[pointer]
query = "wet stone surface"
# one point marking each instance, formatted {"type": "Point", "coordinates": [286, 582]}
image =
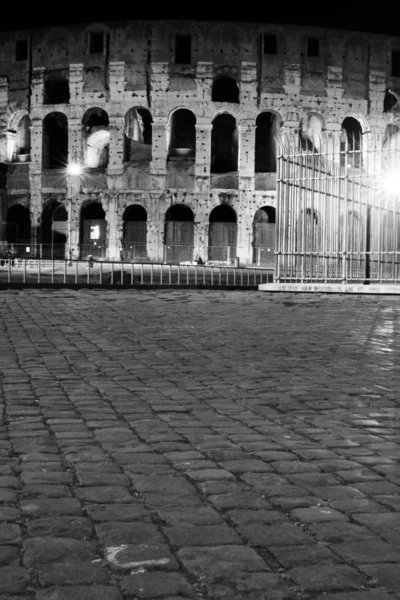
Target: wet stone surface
{"type": "Point", "coordinates": [202, 445]}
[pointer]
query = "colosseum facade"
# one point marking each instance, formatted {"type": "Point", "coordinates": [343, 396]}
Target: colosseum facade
{"type": "Point", "coordinates": [156, 140]}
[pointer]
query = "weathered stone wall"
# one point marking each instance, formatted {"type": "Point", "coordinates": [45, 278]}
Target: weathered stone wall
{"type": "Point", "coordinates": [136, 68]}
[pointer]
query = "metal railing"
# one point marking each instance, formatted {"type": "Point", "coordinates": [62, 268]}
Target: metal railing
{"type": "Point", "coordinates": [27, 271]}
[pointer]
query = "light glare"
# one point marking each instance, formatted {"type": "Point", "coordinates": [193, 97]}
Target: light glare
{"type": "Point", "coordinates": [391, 182]}
{"type": "Point", "coordinates": [74, 169]}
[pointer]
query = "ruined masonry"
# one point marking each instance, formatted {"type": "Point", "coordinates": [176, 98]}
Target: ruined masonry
{"type": "Point", "coordinates": [155, 141]}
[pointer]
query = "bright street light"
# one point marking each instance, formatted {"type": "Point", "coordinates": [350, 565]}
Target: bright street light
{"type": "Point", "coordinates": [391, 182]}
{"type": "Point", "coordinates": [74, 168]}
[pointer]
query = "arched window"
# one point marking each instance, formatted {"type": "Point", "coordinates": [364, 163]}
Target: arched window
{"type": "Point", "coordinates": [350, 146]}
{"type": "Point", "coordinates": [179, 233]}
{"type": "Point", "coordinates": [96, 138]}
{"type": "Point", "coordinates": [93, 231]}
{"type": "Point", "coordinates": [311, 126]}
{"type": "Point", "coordinates": [18, 228]}
{"type": "Point", "coordinates": [134, 240]}
{"type": "Point", "coordinates": [55, 141]}
{"type": "Point", "coordinates": [54, 231]}
{"type": "Point", "coordinates": [264, 236]}
{"type": "Point", "coordinates": [222, 234]}
{"type": "Point", "coordinates": [225, 89]}
{"type": "Point", "coordinates": [183, 133]}
{"type": "Point", "coordinates": [224, 144]}
{"type": "Point", "coordinates": [267, 127]}
{"type": "Point", "coordinates": [137, 135]}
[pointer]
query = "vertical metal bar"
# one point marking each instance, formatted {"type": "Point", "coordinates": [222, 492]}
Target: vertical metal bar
{"type": "Point", "coordinates": [76, 271]}
{"type": "Point", "coordinates": [151, 274]}
{"type": "Point", "coordinates": [65, 271]}
{"type": "Point", "coordinates": [52, 271]}
{"type": "Point", "coordinates": [39, 264]}
{"type": "Point", "coordinates": [234, 276]}
{"type": "Point", "coordinates": [88, 273]}
{"type": "Point", "coordinates": [101, 273]}
{"type": "Point", "coordinates": [24, 273]}
{"type": "Point", "coordinates": [161, 274]}
{"type": "Point", "coordinates": [9, 270]}
{"type": "Point", "coordinates": [195, 275]}
{"type": "Point", "coordinates": [179, 274]}
{"type": "Point", "coordinates": [122, 273]}
{"type": "Point", "coordinates": [187, 275]}
{"type": "Point", "coordinates": [141, 273]}
{"type": "Point", "coordinates": [169, 274]}
{"type": "Point", "coordinates": [212, 276]}
{"type": "Point", "coordinates": [241, 277]}
{"type": "Point", "coordinates": [219, 276]}
{"type": "Point", "coordinates": [132, 266]}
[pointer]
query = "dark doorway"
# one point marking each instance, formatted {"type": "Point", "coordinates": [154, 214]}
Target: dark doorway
{"type": "Point", "coordinates": [266, 132]}
{"type": "Point", "coordinates": [224, 144]}
{"type": "Point", "coordinates": [222, 236]}
{"type": "Point", "coordinates": [54, 231]}
{"type": "Point", "coordinates": [55, 141]}
{"type": "Point", "coordinates": [179, 234]}
{"type": "Point", "coordinates": [93, 231]}
{"type": "Point", "coordinates": [134, 244]}
{"type": "Point", "coordinates": [264, 237]}
{"type": "Point", "coordinates": [18, 230]}
{"type": "Point", "coordinates": [225, 89]}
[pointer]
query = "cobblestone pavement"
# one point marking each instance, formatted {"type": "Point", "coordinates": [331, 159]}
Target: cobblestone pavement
{"type": "Point", "coordinates": [198, 445]}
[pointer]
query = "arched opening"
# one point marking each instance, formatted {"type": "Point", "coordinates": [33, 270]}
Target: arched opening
{"type": "Point", "coordinates": [224, 144]}
{"type": "Point", "coordinates": [311, 126]}
{"type": "Point", "coordinates": [55, 141]}
{"type": "Point", "coordinates": [179, 233]}
{"type": "Point", "coordinates": [54, 231]}
{"type": "Point", "coordinates": [267, 126]}
{"type": "Point", "coordinates": [96, 138]}
{"type": "Point", "coordinates": [134, 240]}
{"type": "Point", "coordinates": [23, 140]}
{"type": "Point", "coordinates": [183, 133]}
{"type": "Point", "coordinates": [18, 230]}
{"type": "Point", "coordinates": [350, 145]}
{"type": "Point", "coordinates": [93, 231]}
{"type": "Point", "coordinates": [225, 89]}
{"type": "Point", "coordinates": [138, 135]}
{"type": "Point", "coordinates": [222, 234]}
{"type": "Point", "coordinates": [264, 236]}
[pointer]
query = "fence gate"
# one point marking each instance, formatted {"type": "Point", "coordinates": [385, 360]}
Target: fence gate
{"type": "Point", "coordinates": [135, 238]}
{"type": "Point", "coordinates": [93, 238]}
{"type": "Point", "coordinates": [338, 217]}
{"type": "Point", "coordinates": [222, 241]}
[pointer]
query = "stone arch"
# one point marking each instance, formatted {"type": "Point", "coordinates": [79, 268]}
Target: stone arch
{"type": "Point", "coordinates": [224, 143]}
{"type": "Point", "coordinates": [134, 233]}
{"type": "Point", "coordinates": [351, 143]}
{"type": "Point", "coordinates": [96, 138]}
{"type": "Point", "coordinates": [55, 141]}
{"type": "Point", "coordinates": [179, 233]}
{"type": "Point", "coordinates": [222, 234]}
{"type": "Point", "coordinates": [225, 89]}
{"type": "Point", "coordinates": [54, 230]}
{"type": "Point", "coordinates": [137, 134]}
{"type": "Point", "coordinates": [93, 230]}
{"type": "Point", "coordinates": [20, 125]}
{"type": "Point", "coordinates": [182, 130]}
{"type": "Point", "coordinates": [264, 225]}
{"type": "Point", "coordinates": [312, 125]}
{"type": "Point", "coordinates": [18, 228]}
{"type": "Point", "coordinates": [267, 130]}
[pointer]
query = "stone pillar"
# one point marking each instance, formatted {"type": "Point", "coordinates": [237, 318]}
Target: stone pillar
{"type": "Point", "coordinates": [247, 138]}
{"type": "Point", "coordinates": [3, 93]}
{"type": "Point", "coordinates": [334, 87]}
{"type": "Point", "coordinates": [75, 140]}
{"type": "Point", "coordinates": [248, 83]}
{"type": "Point", "coordinates": [159, 78]}
{"type": "Point", "coordinates": [203, 156]}
{"type": "Point", "coordinates": [292, 83]}
{"type": "Point", "coordinates": [3, 106]}
{"type": "Point", "coordinates": [75, 83]}
{"type": "Point", "coordinates": [376, 92]}
{"type": "Point", "coordinates": [114, 243]}
{"type": "Point", "coordinates": [200, 240]}
{"type": "Point", "coordinates": [116, 155]}
{"type": "Point", "coordinates": [204, 80]}
{"type": "Point", "coordinates": [37, 86]}
{"type": "Point", "coordinates": [117, 81]}
{"type": "Point", "coordinates": [245, 228]}
{"type": "Point", "coordinates": [158, 165]}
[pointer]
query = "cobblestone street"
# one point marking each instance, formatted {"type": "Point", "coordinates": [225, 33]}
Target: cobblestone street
{"type": "Point", "coordinates": [179, 444]}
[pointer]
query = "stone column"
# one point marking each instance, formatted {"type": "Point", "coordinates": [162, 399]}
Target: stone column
{"type": "Point", "coordinates": [292, 83]}
{"type": "Point", "coordinates": [158, 165]}
{"type": "Point", "coordinates": [37, 86]}
{"type": "Point", "coordinates": [248, 83]}
{"type": "Point", "coordinates": [114, 243]}
{"type": "Point", "coordinates": [203, 156]}
{"type": "Point", "coordinates": [247, 137]}
{"type": "Point", "coordinates": [117, 81]}
{"type": "Point", "coordinates": [116, 165]}
{"type": "Point", "coordinates": [204, 80]}
{"type": "Point", "coordinates": [75, 83]}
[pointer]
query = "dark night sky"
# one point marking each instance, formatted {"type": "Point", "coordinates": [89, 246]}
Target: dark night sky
{"type": "Point", "coordinates": [337, 15]}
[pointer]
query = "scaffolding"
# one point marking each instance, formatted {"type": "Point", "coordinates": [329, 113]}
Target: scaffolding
{"type": "Point", "coordinates": [338, 216]}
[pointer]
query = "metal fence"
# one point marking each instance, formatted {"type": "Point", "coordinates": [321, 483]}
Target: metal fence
{"type": "Point", "coordinates": [338, 217]}
{"type": "Point", "coordinates": [97, 273]}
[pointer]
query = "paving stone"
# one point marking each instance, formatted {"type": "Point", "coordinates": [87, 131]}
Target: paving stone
{"type": "Point", "coordinates": [368, 551]}
{"type": "Point", "coordinates": [326, 577]}
{"type": "Point", "coordinates": [8, 555]}
{"type": "Point", "coordinates": [316, 514]}
{"type": "Point", "coordinates": [191, 516]}
{"type": "Point", "coordinates": [14, 579]}
{"type": "Point", "coordinates": [45, 506]}
{"type": "Point", "coordinates": [80, 592]}
{"type": "Point", "coordinates": [242, 499]}
{"type": "Point", "coordinates": [118, 512]}
{"type": "Point", "coordinates": [43, 550]}
{"type": "Point", "coordinates": [71, 573]}
{"type": "Point", "coordinates": [386, 574]}
{"type": "Point", "coordinates": [103, 494]}
{"type": "Point", "coordinates": [9, 533]}
{"type": "Point", "coordinates": [117, 533]}
{"type": "Point", "coordinates": [310, 554]}
{"type": "Point", "coordinates": [365, 595]}
{"type": "Point", "coordinates": [338, 532]}
{"type": "Point", "coordinates": [279, 534]}
{"type": "Point", "coordinates": [73, 527]}
{"type": "Point", "coordinates": [201, 535]}
{"type": "Point", "coordinates": [220, 561]}
{"type": "Point", "coordinates": [140, 556]}
{"type": "Point", "coordinates": [155, 585]}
